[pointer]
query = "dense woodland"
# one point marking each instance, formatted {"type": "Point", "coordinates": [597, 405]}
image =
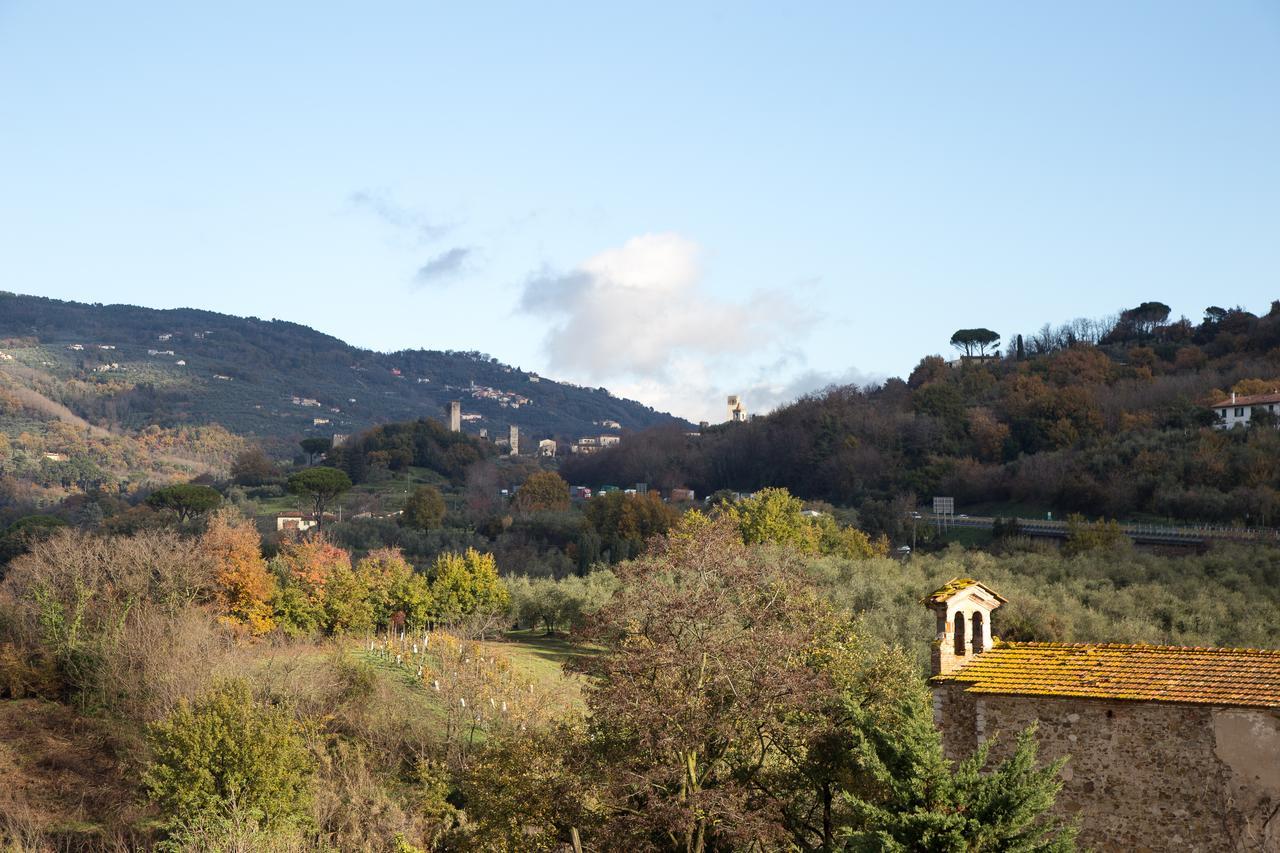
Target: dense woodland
{"type": "Point", "coordinates": [1106, 418]}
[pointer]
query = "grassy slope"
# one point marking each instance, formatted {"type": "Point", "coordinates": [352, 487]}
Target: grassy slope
{"type": "Point", "coordinates": [60, 778]}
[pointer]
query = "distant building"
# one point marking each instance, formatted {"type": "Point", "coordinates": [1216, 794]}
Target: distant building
{"type": "Point", "coordinates": [682, 495]}
{"type": "Point", "coordinates": [319, 422]}
{"type": "Point", "coordinates": [455, 416]}
{"type": "Point", "coordinates": [609, 440]}
{"type": "Point", "coordinates": [547, 447]}
{"type": "Point", "coordinates": [737, 411]}
{"type": "Point", "coordinates": [296, 521]}
{"type": "Point", "coordinates": [586, 444]}
{"type": "Point", "coordinates": [514, 440]}
{"type": "Point", "coordinates": [1239, 409]}
{"type": "Point", "coordinates": [339, 439]}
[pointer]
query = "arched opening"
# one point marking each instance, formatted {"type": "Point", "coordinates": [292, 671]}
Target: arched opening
{"type": "Point", "coordinates": [976, 627]}
{"type": "Point", "coordinates": [959, 633]}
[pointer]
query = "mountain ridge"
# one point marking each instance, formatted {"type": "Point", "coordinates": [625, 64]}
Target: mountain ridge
{"type": "Point", "coordinates": [131, 351]}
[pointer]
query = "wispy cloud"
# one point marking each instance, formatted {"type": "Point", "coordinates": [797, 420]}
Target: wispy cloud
{"type": "Point", "coordinates": [443, 266]}
{"type": "Point", "coordinates": [381, 205]}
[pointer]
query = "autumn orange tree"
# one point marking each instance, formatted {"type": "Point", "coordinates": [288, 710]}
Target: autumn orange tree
{"type": "Point", "coordinates": [305, 568]}
{"type": "Point", "coordinates": [242, 584]}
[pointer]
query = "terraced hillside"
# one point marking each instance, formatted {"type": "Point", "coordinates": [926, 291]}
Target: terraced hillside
{"type": "Point", "coordinates": [124, 369]}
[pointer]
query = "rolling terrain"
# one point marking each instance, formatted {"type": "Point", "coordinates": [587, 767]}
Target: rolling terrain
{"type": "Point", "coordinates": [93, 393]}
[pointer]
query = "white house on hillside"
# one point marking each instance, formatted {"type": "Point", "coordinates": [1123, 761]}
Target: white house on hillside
{"type": "Point", "coordinates": [1239, 409]}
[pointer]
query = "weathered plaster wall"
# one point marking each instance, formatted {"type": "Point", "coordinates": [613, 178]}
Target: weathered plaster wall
{"type": "Point", "coordinates": [1143, 776]}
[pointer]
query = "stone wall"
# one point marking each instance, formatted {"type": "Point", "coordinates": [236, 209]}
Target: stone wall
{"type": "Point", "coordinates": [1143, 776]}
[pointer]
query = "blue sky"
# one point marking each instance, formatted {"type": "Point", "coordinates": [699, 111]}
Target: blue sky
{"type": "Point", "coordinates": [675, 201]}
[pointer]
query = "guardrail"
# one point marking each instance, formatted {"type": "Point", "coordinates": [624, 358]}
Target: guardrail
{"type": "Point", "coordinates": [1138, 532]}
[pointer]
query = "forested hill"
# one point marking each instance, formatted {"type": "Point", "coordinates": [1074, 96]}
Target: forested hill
{"type": "Point", "coordinates": [127, 368]}
{"type": "Point", "coordinates": [1106, 418]}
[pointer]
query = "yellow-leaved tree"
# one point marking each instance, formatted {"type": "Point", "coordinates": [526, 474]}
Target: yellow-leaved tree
{"type": "Point", "coordinates": [395, 588]}
{"type": "Point", "coordinates": [468, 585]}
{"type": "Point", "coordinates": [776, 517]}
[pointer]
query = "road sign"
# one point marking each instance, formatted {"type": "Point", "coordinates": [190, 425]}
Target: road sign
{"type": "Point", "coordinates": [944, 506]}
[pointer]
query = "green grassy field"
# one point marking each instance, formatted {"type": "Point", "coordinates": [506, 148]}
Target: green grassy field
{"type": "Point", "coordinates": [534, 658]}
{"type": "Point", "coordinates": [388, 495]}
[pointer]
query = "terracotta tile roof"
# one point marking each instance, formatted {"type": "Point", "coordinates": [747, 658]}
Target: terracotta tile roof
{"type": "Point", "coordinates": [1200, 676]}
{"type": "Point", "coordinates": [1251, 400]}
{"type": "Point", "coordinates": [957, 585]}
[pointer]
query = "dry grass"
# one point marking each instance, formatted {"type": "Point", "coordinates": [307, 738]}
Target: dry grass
{"type": "Point", "coordinates": [62, 786]}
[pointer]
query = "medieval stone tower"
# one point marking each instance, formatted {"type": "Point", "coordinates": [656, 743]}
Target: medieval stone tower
{"type": "Point", "coordinates": [455, 416]}
{"type": "Point", "coordinates": [737, 411]}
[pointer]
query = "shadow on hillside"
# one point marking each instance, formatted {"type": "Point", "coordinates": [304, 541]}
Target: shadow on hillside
{"type": "Point", "coordinates": [551, 647]}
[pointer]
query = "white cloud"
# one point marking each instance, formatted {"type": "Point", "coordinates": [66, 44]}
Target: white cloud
{"type": "Point", "coordinates": [640, 318]}
{"type": "Point", "coordinates": [635, 310]}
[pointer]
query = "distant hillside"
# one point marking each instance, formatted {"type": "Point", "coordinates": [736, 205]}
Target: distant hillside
{"type": "Point", "coordinates": [1106, 417]}
{"type": "Point", "coordinates": [184, 366]}
{"type": "Point", "coordinates": [191, 385]}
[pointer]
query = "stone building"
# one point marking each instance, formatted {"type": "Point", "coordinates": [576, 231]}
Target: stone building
{"type": "Point", "coordinates": [1171, 747]}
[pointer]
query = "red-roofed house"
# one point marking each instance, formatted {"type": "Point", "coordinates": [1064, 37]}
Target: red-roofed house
{"type": "Point", "coordinates": [1238, 409]}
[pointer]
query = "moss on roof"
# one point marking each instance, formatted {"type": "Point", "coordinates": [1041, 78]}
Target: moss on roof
{"type": "Point", "coordinates": [1138, 672]}
{"type": "Point", "coordinates": [954, 586]}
